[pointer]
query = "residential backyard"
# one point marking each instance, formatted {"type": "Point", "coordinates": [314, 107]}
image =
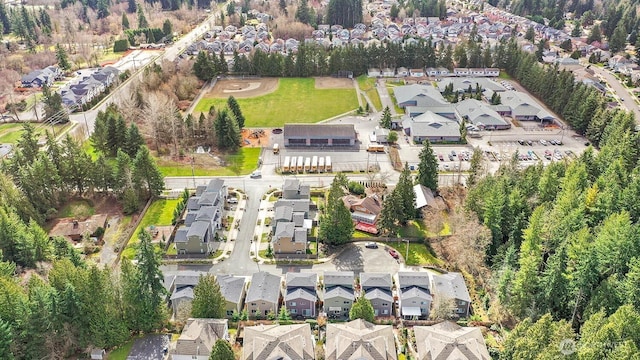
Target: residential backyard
{"type": "Point", "coordinates": [368, 86]}
{"type": "Point", "coordinates": [241, 163]}
{"type": "Point", "coordinates": [294, 100]}
{"type": "Point", "coordinates": [160, 213]}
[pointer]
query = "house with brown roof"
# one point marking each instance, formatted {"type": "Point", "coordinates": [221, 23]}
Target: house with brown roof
{"type": "Point", "coordinates": [266, 342]}
{"type": "Point", "coordinates": [75, 230]}
{"type": "Point", "coordinates": [449, 341]}
{"type": "Point", "coordinates": [360, 340]}
{"type": "Point", "coordinates": [365, 209]}
{"type": "Point", "coordinates": [198, 338]}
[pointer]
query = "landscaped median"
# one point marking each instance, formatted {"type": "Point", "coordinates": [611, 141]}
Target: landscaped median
{"type": "Point", "coordinates": [159, 213]}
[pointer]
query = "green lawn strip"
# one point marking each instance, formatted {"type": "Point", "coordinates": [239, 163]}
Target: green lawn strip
{"type": "Point", "coordinates": [296, 100]}
{"type": "Point", "coordinates": [77, 209]}
{"type": "Point", "coordinates": [122, 352]}
{"type": "Point", "coordinates": [357, 234]}
{"type": "Point", "coordinates": [368, 85]}
{"type": "Point", "coordinates": [159, 213]}
{"type": "Point", "coordinates": [399, 110]}
{"type": "Point", "coordinates": [419, 254]}
{"type": "Point", "coordinates": [242, 163]}
{"type": "Point", "coordinates": [10, 133]}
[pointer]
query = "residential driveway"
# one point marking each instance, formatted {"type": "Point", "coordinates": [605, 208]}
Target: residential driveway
{"type": "Point", "coordinates": [149, 347]}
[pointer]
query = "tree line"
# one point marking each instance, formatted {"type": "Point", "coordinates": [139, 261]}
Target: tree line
{"type": "Point", "coordinates": [24, 23]}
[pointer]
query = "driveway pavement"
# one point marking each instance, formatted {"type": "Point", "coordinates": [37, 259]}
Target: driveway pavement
{"type": "Point", "coordinates": [149, 347]}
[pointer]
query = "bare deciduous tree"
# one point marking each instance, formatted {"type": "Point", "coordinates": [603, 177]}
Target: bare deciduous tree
{"type": "Point", "coordinates": [442, 308]}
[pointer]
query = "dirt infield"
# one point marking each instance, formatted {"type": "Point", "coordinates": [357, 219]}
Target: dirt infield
{"type": "Point", "coordinates": [243, 88]}
{"type": "Point", "coordinates": [333, 83]}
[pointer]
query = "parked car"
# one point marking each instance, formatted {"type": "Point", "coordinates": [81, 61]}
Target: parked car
{"type": "Point", "coordinates": [232, 200]}
{"type": "Point", "coordinates": [440, 157]}
{"type": "Point", "coordinates": [529, 142]}
{"type": "Point", "coordinates": [371, 245]}
{"type": "Point", "coordinates": [394, 254]}
{"type": "Point", "coordinates": [544, 142]}
{"type": "Point", "coordinates": [521, 142]}
{"type": "Point", "coordinates": [256, 175]}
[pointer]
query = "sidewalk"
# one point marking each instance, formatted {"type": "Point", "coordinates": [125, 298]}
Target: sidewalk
{"type": "Point", "coordinates": [232, 236]}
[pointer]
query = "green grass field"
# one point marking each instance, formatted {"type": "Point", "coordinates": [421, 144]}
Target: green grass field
{"type": "Point", "coordinates": [160, 213]}
{"type": "Point", "coordinates": [122, 352]}
{"type": "Point", "coordinates": [242, 163]}
{"type": "Point", "coordinates": [419, 254]}
{"type": "Point", "coordinates": [295, 101]}
{"type": "Point", "coordinates": [10, 133]}
{"type": "Point", "coordinates": [80, 208]}
{"type": "Point", "coordinates": [368, 85]}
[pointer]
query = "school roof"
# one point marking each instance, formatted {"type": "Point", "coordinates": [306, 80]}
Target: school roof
{"type": "Point", "coordinates": [319, 130]}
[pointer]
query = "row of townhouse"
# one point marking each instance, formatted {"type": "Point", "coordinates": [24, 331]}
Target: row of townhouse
{"type": "Point", "coordinates": [88, 87]}
{"type": "Point", "coordinates": [434, 72]}
{"type": "Point", "coordinates": [203, 220]}
{"type": "Point", "coordinates": [291, 222]}
{"type": "Point", "coordinates": [408, 294]}
{"type": "Point", "coordinates": [41, 77]}
{"type": "Point", "coordinates": [357, 339]}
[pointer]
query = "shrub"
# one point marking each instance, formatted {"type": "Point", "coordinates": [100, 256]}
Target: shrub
{"type": "Point", "coordinates": [121, 45]}
{"type": "Point", "coordinates": [356, 188]}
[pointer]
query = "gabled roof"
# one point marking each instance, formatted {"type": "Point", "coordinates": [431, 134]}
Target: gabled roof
{"type": "Point", "coordinates": [424, 95]}
{"type": "Point", "coordinates": [215, 185]}
{"type": "Point", "coordinates": [414, 278]}
{"type": "Point", "coordinates": [359, 339]}
{"type": "Point", "coordinates": [424, 197]}
{"type": "Point", "coordinates": [415, 292]}
{"type": "Point", "coordinates": [375, 280]}
{"type": "Point", "coordinates": [306, 280]}
{"type": "Point", "coordinates": [335, 278]}
{"type": "Point", "coordinates": [380, 294]}
{"type": "Point", "coordinates": [264, 286]}
{"type": "Point", "coordinates": [198, 228]}
{"type": "Point", "coordinates": [339, 291]}
{"type": "Point", "coordinates": [479, 113]}
{"type": "Point", "coordinates": [283, 213]}
{"type": "Point", "coordinates": [370, 203]}
{"type": "Point", "coordinates": [448, 341]}
{"type": "Point", "coordinates": [522, 104]}
{"type": "Point", "coordinates": [297, 204]}
{"type": "Point", "coordinates": [432, 125]}
{"type": "Point", "coordinates": [200, 335]}
{"type": "Point", "coordinates": [271, 342]}
{"type": "Point", "coordinates": [284, 229]}
{"type": "Point", "coordinates": [300, 293]}
{"type": "Point", "coordinates": [451, 285]}
{"type": "Point", "coordinates": [231, 287]}
{"type": "Point", "coordinates": [186, 293]}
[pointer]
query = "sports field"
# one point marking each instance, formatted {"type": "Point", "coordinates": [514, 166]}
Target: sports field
{"type": "Point", "coordinates": [270, 102]}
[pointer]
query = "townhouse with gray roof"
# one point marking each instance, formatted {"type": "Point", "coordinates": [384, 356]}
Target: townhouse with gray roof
{"type": "Point", "coordinates": [360, 340]}
{"type": "Point", "coordinates": [198, 338]}
{"type": "Point", "coordinates": [38, 78]}
{"type": "Point", "coordinates": [414, 294]}
{"type": "Point", "coordinates": [272, 342]}
{"type": "Point", "coordinates": [263, 295]}
{"type": "Point", "coordinates": [300, 298]}
{"type": "Point", "coordinates": [452, 286]}
{"type": "Point", "coordinates": [233, 289]}
{"type": "Point", "coordinates": [376, 287]}
{"type": "Point", "coordinates": [338, 294]}
{"type": "Point", "coordinates": [290, 225]}
{"type": "Point", "coordinates": [180, 288]}
{"type": "Point", "coordinates": [203, 220]}
{"type": "Point", "coordinates": [448, 340]}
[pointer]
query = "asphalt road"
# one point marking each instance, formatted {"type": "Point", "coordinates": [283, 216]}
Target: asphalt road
{"type": "Point", "coordinates": [628, 101]}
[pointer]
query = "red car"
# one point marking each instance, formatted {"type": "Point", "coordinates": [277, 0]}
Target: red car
{"type": "Point", "coordinates": [394, 254]}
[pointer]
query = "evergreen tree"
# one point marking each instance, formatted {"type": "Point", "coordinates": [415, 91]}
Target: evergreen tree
{"type": "Point", "coordinates": [208, 301]}
{"type": "Point", "coordinates": [146, 174]}
{"type": "Point", "coordinates": [125, 21]}
{"type": "Point", "coordinates": [595, 34]}
{"type": "Point", "coordinates": [142, 20]}
{"type": "Point", "coordinates": [233, 105]}
{"type": "Point", "coordinates": [283, 314]}
{"type": "Point", "coordinates": [391, 207]}
{"type": "Point", "coordinates": [336, 226]}
{"type": "Point", "coordinates": [167, 28]}
{"type": "Point", "coordinates": [54, 111]}
{"type": "Point", "coordinates": [531, 34]}
{"type": "Point", "coordinates": [6, 338]}
{"type": "Point", "coordinates": [133, 141]}
{"type": "Point", "coordinates": [406, 195]}
{"type": "Point", "coordinates": [103, 9]}
{"type": "Point", "coordinates": [428, 167]}
{"type": "Point", "coordinates": [62, 58]}
{"type": "Point", "coordinates": [222, 351]}
{"type": "Point", "coordinates": [227, 132]}
{"type": "Point", "coordinates": [345, 12]}
{"type": "Point", "coordinates": [203, 67]}
{"type": "Point", "coordinates": [282, 4]}
{"type": "Point", "coordinates": [302, 14]}
{"type": "Point", "coordinates": [362, 309]}
{"type": "Point", "coordinates": [385, 120]}
{"type": "Point", "coordinates": [618, 39]}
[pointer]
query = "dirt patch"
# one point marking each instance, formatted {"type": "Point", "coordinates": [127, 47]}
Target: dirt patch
{"type": "Point", "coordinates": [333, 83]}
{"type": "Point", "coordinates": [243, 88]}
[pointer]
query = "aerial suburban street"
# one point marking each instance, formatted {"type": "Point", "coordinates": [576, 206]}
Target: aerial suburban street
{"type": "Point", "coordinates": [628, 100]}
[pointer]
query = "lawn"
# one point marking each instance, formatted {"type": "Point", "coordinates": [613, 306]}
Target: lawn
{"type": "Point", "coordinates": [80, 209]}
{"type": "Point", "coordinates": [399, 110]}
{"type": "Point", "coordinates": [419, 254]}
{"type": "Point", "coordinates": [414, 229]}
{"type": "Point", "coordinates": [242, 163]}
{"type": "Point", "coordinates": [503, 75]}
{"type": "Point", "coordinates": [368, 85]}
{"type": "Point", "coordinates": [10, 133]}
{"type": "Point", "coordinates": [159, 213]}
{"type": "Point", "coordinates": [122, 352]}
{"type": "Point", "coordinates": [296, 100]}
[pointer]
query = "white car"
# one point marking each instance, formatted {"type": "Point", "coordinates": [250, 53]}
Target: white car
{"type": "Point", "coordinates": [232, 200]}
{"type": "Point", "coordinates": [256, 175]}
